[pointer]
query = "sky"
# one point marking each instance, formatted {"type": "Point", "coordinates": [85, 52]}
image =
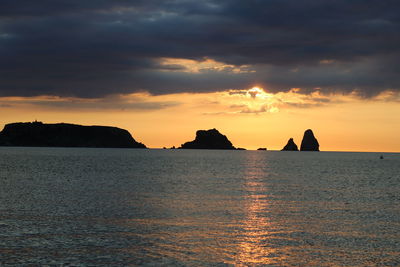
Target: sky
{"type": "Point", "coordinates": [260, 71]}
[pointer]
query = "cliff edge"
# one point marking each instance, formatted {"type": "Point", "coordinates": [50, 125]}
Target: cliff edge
{"type": "Point", "coordinates": [66, 135]}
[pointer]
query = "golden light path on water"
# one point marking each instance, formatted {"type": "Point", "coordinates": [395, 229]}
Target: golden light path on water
{"type": "Point", "coordinates": [252, 248]}
{"type": "Point", "coordinates": [235, 231]}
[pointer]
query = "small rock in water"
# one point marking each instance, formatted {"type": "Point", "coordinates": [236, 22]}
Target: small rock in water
{"type": "Point", "coordinates": [290, 146]}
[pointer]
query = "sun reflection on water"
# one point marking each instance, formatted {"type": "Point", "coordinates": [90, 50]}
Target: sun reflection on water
{"type": "Point", "coordinates": [253, 247]}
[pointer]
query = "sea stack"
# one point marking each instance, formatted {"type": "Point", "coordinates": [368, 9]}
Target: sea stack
{"type": "Point", "coordinates": [209, 139]}
{"type": "Point", "coordinates": [290, 146]}
{"type": "Point", "coordinates": [66, 135]}
{"type": "Point", "coordinates": [309, 142]}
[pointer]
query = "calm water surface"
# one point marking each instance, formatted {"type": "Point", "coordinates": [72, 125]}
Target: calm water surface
{"type": "Point", "coordinates": [93, 207]}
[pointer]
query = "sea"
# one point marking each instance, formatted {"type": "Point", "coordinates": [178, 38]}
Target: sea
{"type": "Point", "coordinates": [149, 207]}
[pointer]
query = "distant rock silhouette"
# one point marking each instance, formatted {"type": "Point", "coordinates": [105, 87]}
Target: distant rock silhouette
{"type": "Point", "coordinates": [309, 142]}
{"type": "Point", "coordinates": [66, 135]}
{"type": "Point", "coordinates": [290, 146]}
{"type": "Point", "coordinates": [261, 148]}
{"type": "Point", "coordinates": [241, 148]}
{"type": "Point", "coordinates": [209, 139]}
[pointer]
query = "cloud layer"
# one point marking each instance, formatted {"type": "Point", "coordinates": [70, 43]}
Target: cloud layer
{"type": "Point", "coordinates": [98, 48]}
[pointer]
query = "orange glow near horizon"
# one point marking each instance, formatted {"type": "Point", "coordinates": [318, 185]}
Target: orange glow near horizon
{"type": "Point", "coordinates": [249, 118]}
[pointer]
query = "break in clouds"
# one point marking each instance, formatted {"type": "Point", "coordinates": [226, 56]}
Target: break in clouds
{"type": "Point", "coordinates": [98, 48]}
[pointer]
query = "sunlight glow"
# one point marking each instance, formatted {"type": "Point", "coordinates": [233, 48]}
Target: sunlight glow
{"type": "Point", "coordinates": [253, 92]}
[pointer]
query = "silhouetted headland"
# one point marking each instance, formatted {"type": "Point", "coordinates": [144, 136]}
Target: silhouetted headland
{"type": "Point", "coordinates": [262, 148]}
{"type": "Point", "coordinates": [309, 142]}
{"type": "Point", "coordinates": [290, 146]}
{"type": "Point", "coordinates": [66, 135]}
{"type": "Point", "coordinates": [208, 139]}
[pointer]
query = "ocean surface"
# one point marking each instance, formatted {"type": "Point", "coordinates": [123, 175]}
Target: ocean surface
{"type": "Point", "coordinates": [127, 207]}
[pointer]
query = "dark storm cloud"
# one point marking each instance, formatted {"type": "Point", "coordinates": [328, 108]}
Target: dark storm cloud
{"type": "Point", "coordinates": [98, 48]}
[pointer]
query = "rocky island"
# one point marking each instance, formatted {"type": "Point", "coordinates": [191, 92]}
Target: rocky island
{"type": "Point", "coordinates": [66, 135]}
{"type": "Point", "coordinates": [309, 142]}
{"type": "Point", "coordinates": [290, 146]}
{"type": "Point", "coordinates": [208, 139]}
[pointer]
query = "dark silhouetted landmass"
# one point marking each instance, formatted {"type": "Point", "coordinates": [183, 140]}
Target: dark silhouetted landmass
{"type": "Point", "coordinates": [309, 142]}
{"type": "Point", "coordinates": [241, 148]}
{"type": "Point", "coordinates": [262, 148]}
{"type": "Point", "coordinates": [66, 135]}
{"type": "Point", "coordinates": [209, 139]}
{"type": "Point", "coordinates": [290, 146]}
